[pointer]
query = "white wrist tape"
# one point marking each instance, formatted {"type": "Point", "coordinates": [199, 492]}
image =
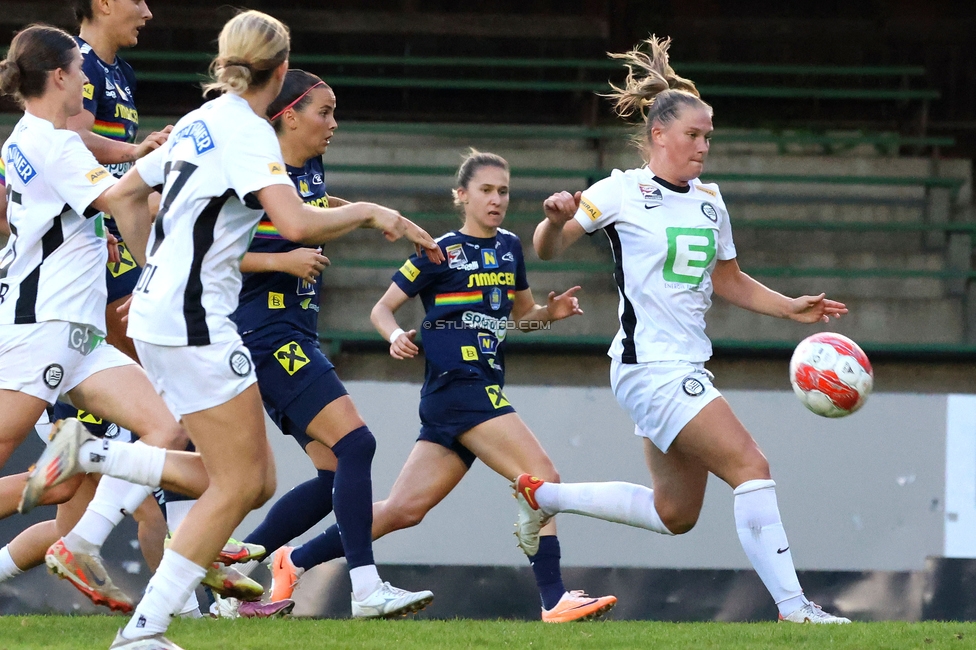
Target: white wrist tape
{"type": "Point", "coordinates": [395, 335]}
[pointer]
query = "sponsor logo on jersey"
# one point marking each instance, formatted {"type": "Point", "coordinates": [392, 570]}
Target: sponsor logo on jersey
{"type": "Point", "coordinates": [455, 256]}
{"type": "Point", "coordinates": [707, 191]}
{"type": "Point", "coordinates": [276, 300]}
{"type": "Point", "coordinates": [478, 321]}
{"type": "Point", "coordinates": [307, 304]}
{"type": "Point", "coordinates": [126, 113]}
{"type": "Point", "coordinates": [489, 259]}
{"type": "Point", "coordinates": [303, 187]}
{"type": "Point", "coordinates": [692, 387]}
{"type": "Point", "coordinates": [53, 375]}
{"type": "Point", "coordinates": [276, 169]}
{"type": "Point", "coordinates": [317, 179]}
{"type": "Point", "coordinates": [709, 211]}
{"type": "Point", "coordinates": [469, 353]}
{"type": "Point", "coordinates": [18, 161]}
{"type": "Point", "coordinates": [198, 133]}
{"type": "Point", "coordinates": [487, 343]}
{"type": "Point", "coordinates": [97, 175]}
{"type": "Point", "coordinates": [491, 279]}
{"type": "Point", "coordinates": [291, 357]}
{"type": "Point", "coordinates": [409, 271]}
{"type": "Point", "coordinates": [509, 256]}
{"type": "Point", "coordinates": [305, 288]}
{"type": "Point", "coordinates": [240, 364]}
{"type": "Point", "coordinates": [650, 192]}
{"type": "Point", "coordinates": [123, 92]}
{"type": "Point", "coordinates": [591, 210]}
{"type": "Point", "coordinates": [495, 298]}
{"type": "Point", "coordinates": [88, 91]}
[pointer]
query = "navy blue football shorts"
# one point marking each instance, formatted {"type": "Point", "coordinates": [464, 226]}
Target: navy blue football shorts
{"type": "Point", "coordinates": [458, 407]}
{"type": "Point", "coordinates": [295, 377]}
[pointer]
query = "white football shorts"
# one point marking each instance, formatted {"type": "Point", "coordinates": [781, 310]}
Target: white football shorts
{"type": "Point", "coordinates": [193, 378]}
{"type": "Point", "coordinates": [662, 396]}
{"type": "Point", "coordinates": [49, 359]}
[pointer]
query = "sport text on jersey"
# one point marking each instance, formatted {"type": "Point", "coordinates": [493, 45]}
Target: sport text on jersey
{"type": "Point", "coordinates": [198, 132]}
{"type": "Point", "coordinates": [19, 163]}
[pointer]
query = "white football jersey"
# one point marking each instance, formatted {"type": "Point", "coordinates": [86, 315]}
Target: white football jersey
{"type": "Point", "coordinates": [665, 242]}
{"type": "Point", "coordinates": [53, 266]}
{"type": "Point", "coordinates": [216, 158]}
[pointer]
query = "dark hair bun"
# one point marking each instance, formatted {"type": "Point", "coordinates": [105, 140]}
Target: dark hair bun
{"type": "Point", "coordinates": [9, 77]}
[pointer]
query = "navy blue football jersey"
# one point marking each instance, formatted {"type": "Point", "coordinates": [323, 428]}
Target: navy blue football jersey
{"type": "Point", "coordinates": [109, 95]}
{"type": "Point", "coordinates": [277, 297]}
{"type": "Point", "coordinates": [467, 300]}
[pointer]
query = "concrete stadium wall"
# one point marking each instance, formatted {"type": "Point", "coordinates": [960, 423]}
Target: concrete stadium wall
{"type": "Point", "coordinates": [863, 493]}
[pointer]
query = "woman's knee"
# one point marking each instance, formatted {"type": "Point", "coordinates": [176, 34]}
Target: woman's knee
{"type": "Point", "coordinates": [398, 515]}
{"type": "Point", "coordinates": [678, 517]}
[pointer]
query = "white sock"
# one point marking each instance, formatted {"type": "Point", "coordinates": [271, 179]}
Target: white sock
{"type": "Point", "coordinates": [191, 608]}
{"type": "Point", "coordinates": [135, 462]}
{"type": "Point", "coordinates": [8, 568]}
{"type": "Point", "coordinates": [168, 591]}
{"type": "Point", "coordinates": [763, 539]}
{"type": "Point", "coordinates": [113, 500]}
{"type": "Point", "coordinates": [622, 503]}
{"type": "Point", "coordinates": [176, 512]}
{"type": "Point", "coordinates": [365, 580]}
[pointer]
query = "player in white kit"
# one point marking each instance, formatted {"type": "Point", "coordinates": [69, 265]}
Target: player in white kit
{"type": "Point", "coordinates": [52, 291]}
{"type": "Point", "coordinates": [220, 169]}
{"type": "Point", "coordinates": [672, 247]}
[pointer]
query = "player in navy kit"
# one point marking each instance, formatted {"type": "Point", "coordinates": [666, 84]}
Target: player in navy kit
{"type": "Point", "coordinates": [277, 318]}
{"type": "Point", "coordinates": [463, 409]}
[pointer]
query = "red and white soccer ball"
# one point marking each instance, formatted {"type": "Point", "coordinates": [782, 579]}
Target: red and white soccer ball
{"type": "Point", "coordinates": [831, 375]}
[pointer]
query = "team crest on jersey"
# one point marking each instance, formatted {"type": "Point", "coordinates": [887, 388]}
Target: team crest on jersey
{"type": "Point", "coordinates": [456, 258]}
{"type": "Point", "coordinates": [709, 211]}
{"type": "Point", "coordinates": [495, 298]}
{"type": "Point", "coordinates": [692, 387]}
{"type": "Point", "coordinates": [199, 134]}
{"type": "Point", "coordinates": [19, 163]}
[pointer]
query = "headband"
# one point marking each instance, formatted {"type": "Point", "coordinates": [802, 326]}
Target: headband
{"type": "Point", "coordinates": [311, 88]}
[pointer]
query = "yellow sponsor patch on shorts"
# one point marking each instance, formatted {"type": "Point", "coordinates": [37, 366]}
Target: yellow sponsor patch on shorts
{"type": "Point", "coordinates": [276, 300]}
{"type": "Point", "coordinates": [276, 169]}
{"type": "Point", "coordinates": [496, 396]}
{"type": "Point", "coordinates": [96, 175]}
{"type": "Point", "coordinates": [90, 418]}
{"type": "Point", "coordinates": [88, 91]}
{"type": "Point", "coordinates": [469, 353]}
{"type": "Point", "coordinates": [125, 264]}
{"type": "Point", "coordinates": [291, 357]}
{"type": "Point", "coordinates": [591, 210]}
{"type": "Point", "coordinates": [409, 271]}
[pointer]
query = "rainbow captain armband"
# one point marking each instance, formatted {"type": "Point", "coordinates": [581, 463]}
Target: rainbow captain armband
{"type": "Point", "coordinates": [3, 173]}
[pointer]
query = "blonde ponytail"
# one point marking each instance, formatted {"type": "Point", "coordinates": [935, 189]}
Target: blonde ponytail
{"type": "Point", "coordinates": [251, 45]}
{"type": "Point", "coordinates": [648, 75]}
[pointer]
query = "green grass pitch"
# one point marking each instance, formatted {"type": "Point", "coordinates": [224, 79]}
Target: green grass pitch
{"type": "Point", "coordinates": [87, 632]}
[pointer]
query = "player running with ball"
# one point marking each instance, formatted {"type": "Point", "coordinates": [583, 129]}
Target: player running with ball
{"type": "Point", "coordinates": [672, 246]}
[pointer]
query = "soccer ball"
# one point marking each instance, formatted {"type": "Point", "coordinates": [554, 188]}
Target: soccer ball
{"type": "Point", "coordinates": [831, 375]}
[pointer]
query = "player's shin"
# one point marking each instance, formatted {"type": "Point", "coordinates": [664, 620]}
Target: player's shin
{"type": "Point", "coordinates": [114, 498]}
{"type": "Point", "coordinates": [353, 503]}
{"type": "Point", "coordinates": [760, 528]}
{"type": "Point", "coordinates": [166, 595]}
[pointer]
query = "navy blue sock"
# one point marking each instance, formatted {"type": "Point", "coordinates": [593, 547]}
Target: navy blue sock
{"type": "Point", "coordinates": [545, 566]}
{"type": "Point", "coordinates": [352, 495]}
{"type": "Point", "coordinates": [325, 547]}
{"type": "Point", "coordinates": [295, 512]}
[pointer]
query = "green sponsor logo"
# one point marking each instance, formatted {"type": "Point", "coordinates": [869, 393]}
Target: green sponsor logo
{"type": "Point", "coordinates": [690, 252]}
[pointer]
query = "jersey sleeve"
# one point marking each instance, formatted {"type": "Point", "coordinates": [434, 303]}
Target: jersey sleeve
{"type": "Point", "coordinates": [80, 178]}
{"type": "Point", "coordinates": [254, 163]}
{"type": "Point", "coordinates": [94, 89]}
{"type": "Point", "coordinates": [600, 204]}
{"type": "Point", "coordinates": [417, 273]}
{"type": "Point", "coordinates": [152, 167]}
{"type": "Point", "coordinates": [521, 278]}
{"type": "Point", "coordinates": [725, 245]}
